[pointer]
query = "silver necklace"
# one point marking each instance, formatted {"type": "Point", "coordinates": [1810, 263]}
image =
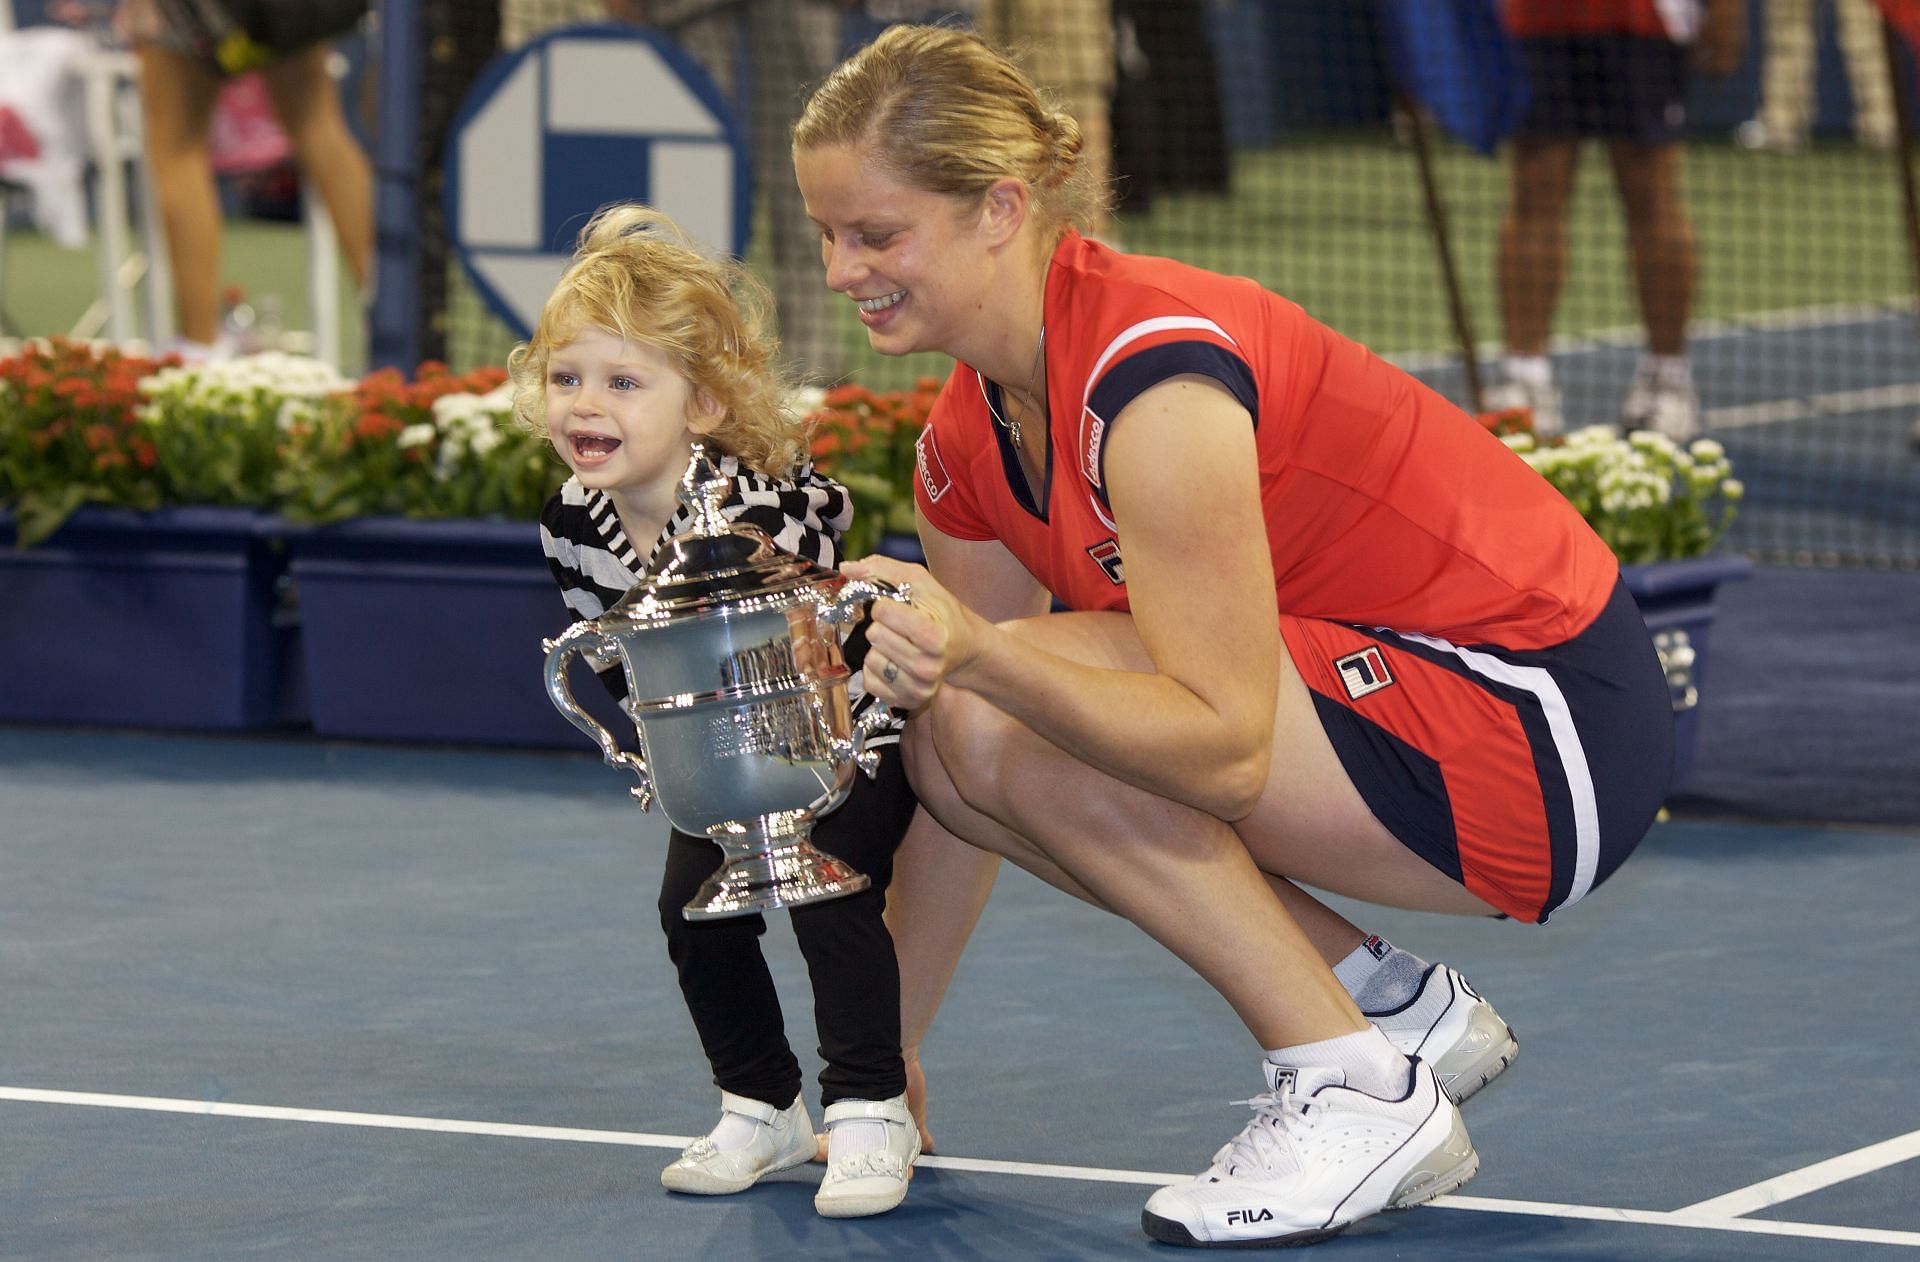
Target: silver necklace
{"type": "Point", "coordinates": [1037, 373]}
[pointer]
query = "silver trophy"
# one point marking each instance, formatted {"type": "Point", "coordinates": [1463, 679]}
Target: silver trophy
{"type": "Point", "coordinates": [738, 692]}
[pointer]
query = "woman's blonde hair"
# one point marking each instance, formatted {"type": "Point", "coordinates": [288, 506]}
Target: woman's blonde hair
{"type": "Point", "coordinates": [949, 114]}
{"type": "Point", "coordinates": [638, 276]}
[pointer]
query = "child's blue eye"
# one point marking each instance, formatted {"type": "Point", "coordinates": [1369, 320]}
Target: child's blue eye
{"type": "Point", "coordinates": [624, 383]}
{"type": "Point", "coordinates": [561, 379]}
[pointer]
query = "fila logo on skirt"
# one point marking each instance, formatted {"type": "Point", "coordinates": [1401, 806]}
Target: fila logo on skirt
{"type": "Point", "coordinates": [1363, 672]}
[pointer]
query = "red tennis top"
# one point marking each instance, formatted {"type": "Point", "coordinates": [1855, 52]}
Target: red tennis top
{"type": "Point", "coordinates": [1385, 504]}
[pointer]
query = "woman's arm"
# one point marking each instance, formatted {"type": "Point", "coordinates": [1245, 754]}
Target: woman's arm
{"type": "Point", "coordinates": [1182, 474]}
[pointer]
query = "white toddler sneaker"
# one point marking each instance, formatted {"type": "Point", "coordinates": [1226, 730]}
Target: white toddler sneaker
{"type": "Point", "coordinates": [1317, 1156]}
{"type": "Point", "coordinates": [871, 1180]}
{"type": "Point", "coordinates": [1448, 1025]}
{"type": "Point", "coordinates": [781, 1139]}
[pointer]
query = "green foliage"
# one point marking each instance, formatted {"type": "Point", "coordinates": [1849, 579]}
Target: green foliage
{"type": "Point", "coordinates": [442, 445]}
{"type": "Point", "coordinates": [84, 424]}
{"type": "Point", "coordinates": [865, 439]}
{"type": "Point", "coordinates": [218, 428]}
{"type": "Point", "coordinates": [1647, 497]}
{"type": "Point", "coordinates": [70, 435]}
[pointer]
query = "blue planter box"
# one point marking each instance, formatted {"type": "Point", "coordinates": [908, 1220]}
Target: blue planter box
{"type": "Point", "coordinates": [1678, 601]}
{"type": "Point", "coordinates": [165, 619]}
{"type": "Point", "coordinates": [431, 631]}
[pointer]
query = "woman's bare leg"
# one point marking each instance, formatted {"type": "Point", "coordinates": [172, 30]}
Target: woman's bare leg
{"type": "Point", "coordinates": [307, 103]}
{"type": "Point", "coordinates": [176, 106]}
{"type": "Point", "coordinates": [1182, 876]}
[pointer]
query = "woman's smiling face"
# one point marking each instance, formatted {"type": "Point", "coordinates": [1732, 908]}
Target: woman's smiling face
{"type": "Point", "coordinates": [911, 261]}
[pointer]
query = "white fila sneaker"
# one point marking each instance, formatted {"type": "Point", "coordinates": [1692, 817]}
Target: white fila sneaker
{"type": "Point", "coordinates": [1449, 1025]}
{"type": "Point", "coordinates": [782, 1139]}
{"type": "Point", "coordinates": [1317, 1156]}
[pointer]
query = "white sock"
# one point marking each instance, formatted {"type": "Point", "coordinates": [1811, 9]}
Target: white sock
{"type": "Point", "coordinates": [1671, 370]}
{"type": "Point", "coordinates": [735, 1131]}
{"type": "Point", "coordinates": [855, 1136]}
{"type": "Point", "coordinates": [1360, 964]}
{"type": "Point", "coordinates": [1379, 975]}
{"type": "Point", "coordinates": [1534, 370]}
{"type": "Point", "coordinates": [1370, 1062]}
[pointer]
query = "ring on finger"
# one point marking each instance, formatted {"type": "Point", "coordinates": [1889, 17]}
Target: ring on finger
{"type": "Point", "coordinates": [891, 673]}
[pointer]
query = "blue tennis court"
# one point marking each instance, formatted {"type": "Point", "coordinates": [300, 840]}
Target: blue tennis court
{"type": "Point", "coordinates": [305, 999]}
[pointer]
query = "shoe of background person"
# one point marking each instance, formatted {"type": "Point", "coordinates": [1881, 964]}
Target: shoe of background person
{"type": "Point", "coordinates": [1666, 407]}
{"type": "Point", "coordinates": [782, 1139]}
{"type": "Point", "coordinates": [1318, 1156]}
{"type": "Point", "coordinates": [1882, 137]}
{"type": "Point", "coordinates": [869, 1182]}
{"type": "Point", "coordinates": [1448, 1025]}
{"type": "Point", "coordinates": [1757, 136]}
{"type": "Point", "coordinates": [1541, 399]}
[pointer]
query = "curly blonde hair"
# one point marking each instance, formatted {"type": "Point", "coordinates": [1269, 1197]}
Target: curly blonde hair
{"type": "Point", "coordinates": [950, 114]}
{"type": "Point", "coordinates": [637, 275]}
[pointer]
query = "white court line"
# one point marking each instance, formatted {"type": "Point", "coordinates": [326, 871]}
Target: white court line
{"type": "Point", "coordinates": [1789, 319]}
{"type": "Point", "coordinates": [1822, 1174]}
{"type": "Point", "coordinates": [1691, 1217]}
{"type": "Point", "coordinates": [1684, 1218]}
{"type": "Point", "coordinates": [334, 1117]}
{"type": "Point", "coordinates": [1835, 403]}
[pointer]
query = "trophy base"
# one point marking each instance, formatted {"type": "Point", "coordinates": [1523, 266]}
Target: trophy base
{"type": "Point", "coordinates": [768, 867]}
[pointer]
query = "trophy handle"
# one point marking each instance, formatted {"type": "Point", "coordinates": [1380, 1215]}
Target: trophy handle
{"type": "Point", "coordinates": [584, 637]}
{"type": "Point", "coordinates": [855, 592]}
{"type": "Point", "coordinates": [841, 612]}
{"type": "Point", "coordinates": [876, 717]}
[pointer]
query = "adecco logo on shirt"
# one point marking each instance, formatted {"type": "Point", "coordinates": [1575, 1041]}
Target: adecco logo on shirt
{"type": "Point", "coordinates": [934, 478]}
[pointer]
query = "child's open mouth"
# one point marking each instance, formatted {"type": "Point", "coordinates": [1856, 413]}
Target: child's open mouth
{"type": "Point", "coordinates": [592, 447]}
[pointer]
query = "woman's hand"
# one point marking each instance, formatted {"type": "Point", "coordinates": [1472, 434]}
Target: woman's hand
{"type": "Point", "coordinates": [917, 1098]}
{"type": "Point", "coordinates": [912, 647]}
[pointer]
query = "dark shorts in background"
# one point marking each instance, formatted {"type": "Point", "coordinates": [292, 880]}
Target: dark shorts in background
{"type": "Point", "coordinates": [1618, 87]}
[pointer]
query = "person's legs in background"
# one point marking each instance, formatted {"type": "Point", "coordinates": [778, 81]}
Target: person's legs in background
{"type": "Point", "coordinates": [1067, 47]}
{"type": "Point", "coordinates": [793, 44]}
{"type": "Point", "coordinates": [176, 101]}
{"type": "Point", "coordinates": [307, 103]}
{"type": "Point", "coordinates": [1665, 267]}
{"type": "Point", "coordinates": [1532, 266]}
{"type": "Point", "coordinates": [1863, 45]}
{"type": "Point", "coordinates": [1786, 79]}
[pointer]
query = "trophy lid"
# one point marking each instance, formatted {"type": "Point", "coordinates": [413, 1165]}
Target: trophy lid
{"type": "Point", "coordinates": [715, 564]}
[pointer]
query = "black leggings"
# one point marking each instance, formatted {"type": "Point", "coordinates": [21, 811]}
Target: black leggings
{"type": "Point", "coordinates": [856, 980]}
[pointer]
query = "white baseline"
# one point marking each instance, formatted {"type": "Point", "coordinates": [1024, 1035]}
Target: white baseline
{"type": "Point", "coordinates": [1706, 1215]}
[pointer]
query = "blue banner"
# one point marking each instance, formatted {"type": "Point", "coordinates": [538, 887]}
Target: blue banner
{"type": "Point", "coordinates": [1455, 58]}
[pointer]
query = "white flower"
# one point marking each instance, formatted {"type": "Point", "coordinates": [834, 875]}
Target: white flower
{"type": "Point", "coordinates": [807, 400]}
{"type": "Point", "coordinates": [416, 435]}
{"type": "Point", "coordinates": [1591, 436]}
{"type": "Point", "coordinates": [294, 413]}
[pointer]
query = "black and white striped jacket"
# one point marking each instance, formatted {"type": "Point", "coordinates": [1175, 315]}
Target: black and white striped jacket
{"type": "Point", "coordinates": [595, 563]}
